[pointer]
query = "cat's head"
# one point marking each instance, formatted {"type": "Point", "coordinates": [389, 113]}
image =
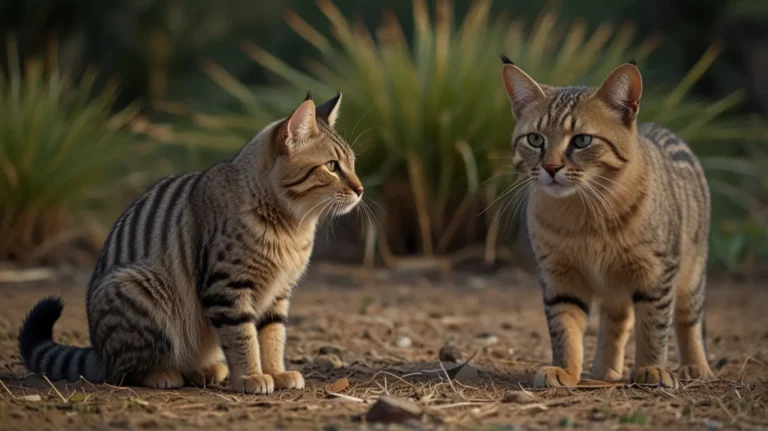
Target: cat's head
{"type": "Point", "coordinates": [569, 138]}
{"type": "Point", "coordinates": [314, 172]}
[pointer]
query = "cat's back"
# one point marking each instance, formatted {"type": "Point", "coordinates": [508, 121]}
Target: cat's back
{"type": "Point", "coordinates": [154, 227]}
{"type": "Point", "coordinates": [680, 185]}
{"type": "Point", "coordinates": [676, 154]}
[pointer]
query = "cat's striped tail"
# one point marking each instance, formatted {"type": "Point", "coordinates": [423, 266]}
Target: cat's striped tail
{"type": "Point", "coordinates": [42, 355]}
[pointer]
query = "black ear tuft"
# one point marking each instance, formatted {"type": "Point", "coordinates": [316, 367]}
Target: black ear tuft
{"type": "Point", "coordinates": [505, 59]}
{"type": "Point", "coordinates": [633, 62]}
{"type": "Point", "coordinates": [328, 111]}
{"type": "Point", "coordinates": [309, 96]}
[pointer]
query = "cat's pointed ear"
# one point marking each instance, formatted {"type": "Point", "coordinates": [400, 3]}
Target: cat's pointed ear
{"type": "Point", "coordinates": [329, 111]}
{"type": "Point", "coordinates": [298, 128]}
{"type": "Point", "coordinates": [621, 92]}
{"type": "Point", "coordinates": [302, 122]}
{"type": "Point", "coordinates": [521, 89]}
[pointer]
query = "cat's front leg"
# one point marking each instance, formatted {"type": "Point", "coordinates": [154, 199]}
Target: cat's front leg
{"type": "Point", "coordinates": [566, 304]}
{"type": "Point", "coordinates": [229, 312]}
{"type": "Point", "coordinates": [653, 316]}
{"type": "Point", "coordinates": [271, 329]}
{"type": "Point", "coordinates": [241, 348]}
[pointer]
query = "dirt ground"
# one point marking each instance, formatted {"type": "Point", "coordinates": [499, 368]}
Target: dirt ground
{"type": "Point", "coordinates": [388, 334]}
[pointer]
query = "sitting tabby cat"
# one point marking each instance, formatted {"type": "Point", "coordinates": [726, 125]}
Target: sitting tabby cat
{"type": "Point", "coordinates": [618, 212]}
{"type": "Point", "coordinates": [200, 268]}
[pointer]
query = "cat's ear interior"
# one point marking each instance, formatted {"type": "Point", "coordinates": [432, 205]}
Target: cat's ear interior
{"type": "Point", "coordinates": [302, 122]}
{"type": "Point", "coordinates": [621, 92]}
{"type": "Point", "coordinates": [521, 89]}
{"type": "Point", "coordinates": [298, 128]}
{"type": "Point", "coordinates": [329, 111]}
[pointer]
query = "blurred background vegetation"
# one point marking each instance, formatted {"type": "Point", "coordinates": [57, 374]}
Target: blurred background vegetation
{"type": "Point", "coordinates": [100, 98]}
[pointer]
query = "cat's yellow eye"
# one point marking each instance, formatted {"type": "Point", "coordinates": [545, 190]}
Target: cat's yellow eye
{"type": "Point", "coordinates": [332, 166]}
{"type": "Point", "coordinates": [581, 141]}
{"type": "Point", "coordinates": [535, 140]}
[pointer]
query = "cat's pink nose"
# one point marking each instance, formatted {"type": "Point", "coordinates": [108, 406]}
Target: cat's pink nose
{"type": "Point", "coordinates": [358, 190]}
{"type": "Point", "coordinates": [552, 169]}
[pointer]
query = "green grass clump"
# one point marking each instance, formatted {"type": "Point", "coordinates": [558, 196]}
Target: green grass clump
{"type": "Point", "coordinates": [59, 139]}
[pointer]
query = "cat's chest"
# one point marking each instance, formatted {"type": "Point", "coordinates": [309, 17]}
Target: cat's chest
{"type": "Point", "coordinates": [604, 261]}
{"type": "Point", "coordinates": [291, 259]}
{"type": "Point", "coordinates": [285, 254]}
{"type": "Point", "coordinates": [608, 262]}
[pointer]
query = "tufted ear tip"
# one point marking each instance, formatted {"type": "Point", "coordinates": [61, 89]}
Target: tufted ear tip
{"type": "Point", "coordinates": [522, 90]}
{"type": "Point", "coordinates": [329, 111]}
{"type": "Point", "coordinates": [621, 92]}
{"type": "Point", "coordinates": [632, 62]}
{"type": "Point", "coordinates": [505, 59]}
{"type": "Point", "coordinates": [309, 96]}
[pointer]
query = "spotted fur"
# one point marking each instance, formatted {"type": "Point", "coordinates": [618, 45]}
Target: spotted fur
{"type": "Point", "coordinates": [195, 278]}
{"type": "Point", "coordinates": [619, 213]}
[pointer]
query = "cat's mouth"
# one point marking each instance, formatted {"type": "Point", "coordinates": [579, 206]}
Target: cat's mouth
{"type": "Point", "coordinates": [350, 204]}
{"type": "Point", "coordinates": [556, 187]}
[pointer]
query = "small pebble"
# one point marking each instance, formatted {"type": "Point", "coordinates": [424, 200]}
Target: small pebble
{"type": "Point", "coordinates": [330, 350]}
{"type": "Point", "coordinates": [722, 362]}
{"type": "Point", "coordinates": [476, 283]}
{"type": "Point", "coordinates": [328, 362]}
{"type": "Point", "coordinates": [518, 397]}
{"type": "Point", "coordinates": [485, 339]}
{"type": "Point", "coordinates": [403, 342]}
{"type": "Point", "coordinates": [712, 425]}
{"type": "Point", "coordinates": [450, 353]}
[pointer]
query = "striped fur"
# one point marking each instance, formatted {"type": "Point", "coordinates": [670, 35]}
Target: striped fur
{"type": "Point", "coordinates": [618, 212]}
{"type": "Point", "coordinates": [195, 278]}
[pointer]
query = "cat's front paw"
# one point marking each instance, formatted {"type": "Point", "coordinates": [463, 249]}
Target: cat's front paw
{"type": "Point", "coordinates": [211, 375]}
{"type": "Point", "coordinates": [554, 377]}
{"type": "Point", "coordinates": [162, 380]}
{"type": "Point", "coordinates": [606, 374]}
{"type": "Point", "coordinates": [259, 384]}
{"type": "Point", "coordinates": [695, 372]}
{"type": "Point", "coordinates": [654, 375]}
{"type": "Point", "coordinates": [289, 380]}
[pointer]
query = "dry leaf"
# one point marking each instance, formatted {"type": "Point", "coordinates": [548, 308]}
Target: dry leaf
{"type": "Point", "coordinates": [339, 385]}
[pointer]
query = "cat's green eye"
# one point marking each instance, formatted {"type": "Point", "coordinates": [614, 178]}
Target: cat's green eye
{"type": "Point", "coordinates": [535, 140]}
{"type": "Point", "coordinates": [581, 141]}
{"type": "Point", "coordinates": [332, 166]}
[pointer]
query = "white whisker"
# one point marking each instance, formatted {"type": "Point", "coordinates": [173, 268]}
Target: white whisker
{"type": "Point", "coordinates": [310, 210]}
{"type": "Point", "coordinates": [510, 189]}
{"type": "Point", "coordinates": [601, 177]}
{"type": "Point", "coordinates": [360, 119]}
{"type": "Point", "coordinates": [525, 194]}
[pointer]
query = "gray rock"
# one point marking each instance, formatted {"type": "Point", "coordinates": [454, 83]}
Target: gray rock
{"type": "Point", "coordinates": [389, 409]}
{"type": "Point", "coordinates": [518, 397]}
{"type": "Point", "coordinates": [450, 353]}
{"type": "Point", "coordinates": [464, 373]}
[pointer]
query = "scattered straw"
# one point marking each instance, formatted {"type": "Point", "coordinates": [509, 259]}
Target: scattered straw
{"type": "Point", "coordinates": [6, 388]}
{"type": "Point", "coordinates": [55, 389]}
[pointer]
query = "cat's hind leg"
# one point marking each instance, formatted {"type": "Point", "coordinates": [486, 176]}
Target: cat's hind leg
{"type": "Point", "coordinates": [689, 325]}
{"type": "Point", "coordinates": [130, 319]}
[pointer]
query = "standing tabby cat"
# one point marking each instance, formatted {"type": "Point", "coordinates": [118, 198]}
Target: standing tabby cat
{"type": "Point", "coordinates": [618, 212]}
{"type": "Point", "coordinates": [200, 268]}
